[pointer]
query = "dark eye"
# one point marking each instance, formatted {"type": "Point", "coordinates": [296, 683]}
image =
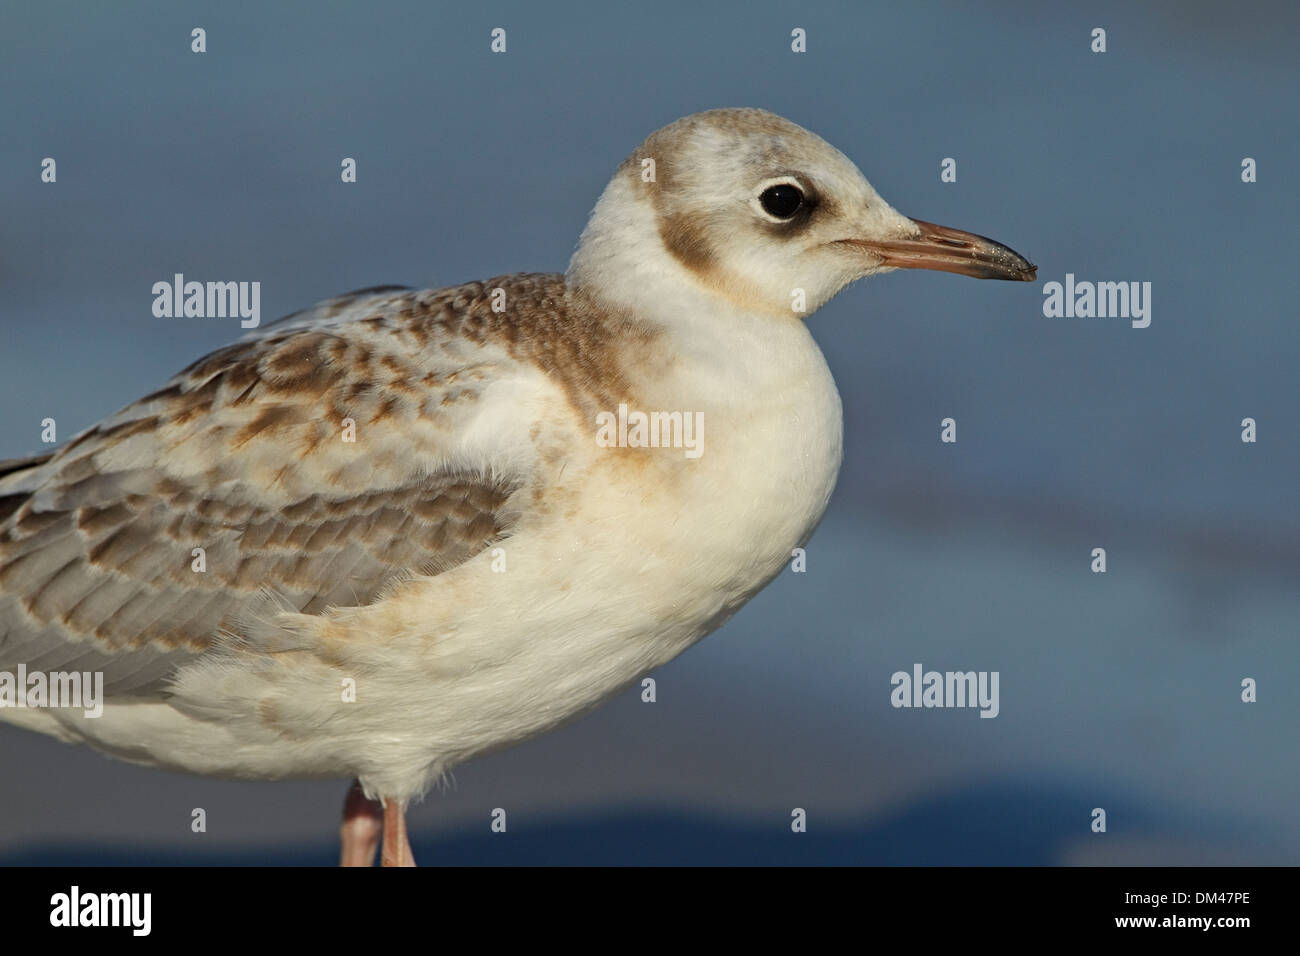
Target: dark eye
{"type": "Point", "coordinates": [782, 200]}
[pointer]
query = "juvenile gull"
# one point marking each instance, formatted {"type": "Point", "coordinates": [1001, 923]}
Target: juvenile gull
{"type": "Point", "coordinates": [407, 492]}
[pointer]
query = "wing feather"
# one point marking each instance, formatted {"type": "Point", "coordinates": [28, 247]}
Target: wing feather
{"type": "Point", "coordinates": [133, 547]}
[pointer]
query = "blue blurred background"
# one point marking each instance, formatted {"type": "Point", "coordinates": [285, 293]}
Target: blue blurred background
{"type": "Point", "coordinates": [1119, 691]}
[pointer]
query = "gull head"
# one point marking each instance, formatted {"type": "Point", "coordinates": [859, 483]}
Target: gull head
{"type": "Point", "coordinates": [763, 214]}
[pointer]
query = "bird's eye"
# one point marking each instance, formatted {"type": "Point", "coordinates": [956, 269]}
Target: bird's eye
{"type": "Point", "coordinates": [782, 200]}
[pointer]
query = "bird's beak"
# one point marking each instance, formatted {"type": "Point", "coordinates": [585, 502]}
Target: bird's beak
{"type": "Point", "coordinates": [950, 250]}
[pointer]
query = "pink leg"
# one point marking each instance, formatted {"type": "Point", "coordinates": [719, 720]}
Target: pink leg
{"type": "Point", "coordinates": [397, 848]}
{"type": "Point", "coordinates": [360, 830]}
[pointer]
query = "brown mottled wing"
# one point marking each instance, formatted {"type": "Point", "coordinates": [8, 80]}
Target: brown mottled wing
{"type": "Point", "coordinates": [246, 456]}
{"type": "Point", "coordinates": [341, 305]}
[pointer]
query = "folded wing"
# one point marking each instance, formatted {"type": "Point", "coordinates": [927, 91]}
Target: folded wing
{"type": "Point", "coordinates": [310, 466]}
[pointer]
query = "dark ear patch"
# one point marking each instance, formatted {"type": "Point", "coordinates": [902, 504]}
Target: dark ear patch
{"type": "Point", "coordinates": [684, 236]}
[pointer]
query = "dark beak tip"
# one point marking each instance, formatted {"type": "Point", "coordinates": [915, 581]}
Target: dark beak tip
{"type": "Point", "coordinates": [1018, 269]}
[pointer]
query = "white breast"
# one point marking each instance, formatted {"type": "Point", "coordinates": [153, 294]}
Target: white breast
{"type": "Point", "coordinates": [643, 551]}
